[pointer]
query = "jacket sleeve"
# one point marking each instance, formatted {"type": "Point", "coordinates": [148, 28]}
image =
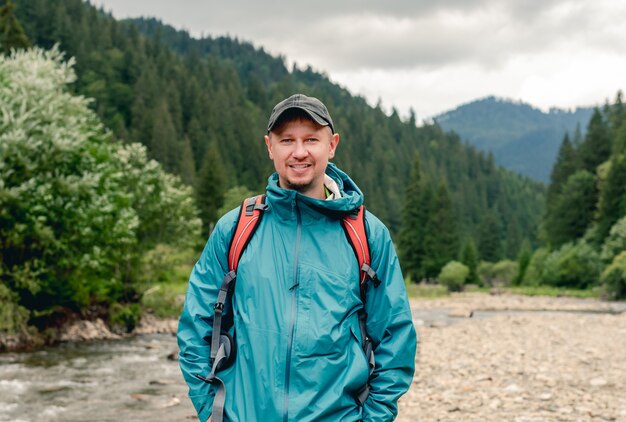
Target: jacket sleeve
{"type": "Point", "coordinates": [390, 326]}
{"type": "Point", "coordinates": [196, 321]}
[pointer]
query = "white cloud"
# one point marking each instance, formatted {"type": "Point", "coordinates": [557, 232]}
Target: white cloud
{"type": "Point", "coordinates": [431, 55]}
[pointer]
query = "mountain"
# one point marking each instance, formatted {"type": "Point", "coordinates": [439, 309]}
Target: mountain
{"type": "Point", "coordinates": [194, 102]}
{"type": "Point", "coordinates": [522, 138]}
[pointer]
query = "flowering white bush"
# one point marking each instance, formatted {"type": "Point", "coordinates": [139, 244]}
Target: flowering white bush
{"type": "Point", "coordinates": [77, 209]}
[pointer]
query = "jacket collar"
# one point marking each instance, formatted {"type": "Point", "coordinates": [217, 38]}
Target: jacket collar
{"type": "Point", "coordinates": [284, 201]}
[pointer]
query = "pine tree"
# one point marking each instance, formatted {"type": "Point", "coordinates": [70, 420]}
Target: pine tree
{"type": "Point", "coordinates": [564, 166]}
{"type": "Point", "coordinates": [596, 148]}
{"type": "Point", "coordinates": [412, 231]}
{"type": "Point", "coordinates": [164, 145]}
{"type": "Point", "coordinates": [210, 187]}
{"type": "Point", "coordinates": [490, 238]}
{"type": "Point", "coordinates": [574, 209]}
{"type": "Point", "coordinates": [12, 35]}
{"type": "Point", "coordinates": [441, 243]}
{"type": "Point", "coordinates": [187, 165]}
{"type": "Point", "coordinates": [513, 240]}
{"type": "Point", "coordinates": [469, 257]}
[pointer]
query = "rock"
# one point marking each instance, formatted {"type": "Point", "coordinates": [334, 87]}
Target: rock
{"type": "Point", "coordinates": [174, 401]}
{"type": "Point", "coordinates": [173, 356]}
{"type": "Point", "coordinates": [495, 404]}
{"type": "Point", "coordinates": [149, 324]}
{"type": "Point", "coordinates": [598, 382]}
{"type": "Point", "coordinates": [161, 382]}
{"type": "Point", "coordinates": [140, 397]}
{"type": "Point", "coordinates": [512, 388]}
{"type": "Point", "coordinates": [87, 330]}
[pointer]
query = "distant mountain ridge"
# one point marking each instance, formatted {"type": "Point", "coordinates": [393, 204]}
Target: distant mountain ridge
{"type": "Point", "coordinates": [521, 137]}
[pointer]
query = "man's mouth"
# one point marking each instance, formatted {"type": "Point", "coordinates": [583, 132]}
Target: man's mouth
{"type": "Point", "coordinates": [299, 166]}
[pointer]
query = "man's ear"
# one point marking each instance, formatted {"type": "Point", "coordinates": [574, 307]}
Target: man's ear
{"type": "Point", "coordinates": [334, 141]}
{"type": "Point", "coordinates": [269, 146]}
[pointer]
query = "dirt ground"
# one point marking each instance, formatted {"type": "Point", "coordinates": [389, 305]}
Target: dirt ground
{"type": "Point", "coordinates": [565, 363]}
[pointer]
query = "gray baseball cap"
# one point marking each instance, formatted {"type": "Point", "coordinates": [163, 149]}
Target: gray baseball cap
{"type": "Point", "coordinates": [311, 105]}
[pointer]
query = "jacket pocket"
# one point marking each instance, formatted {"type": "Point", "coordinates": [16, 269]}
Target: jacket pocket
{"type": "Point", "coordinates": [361, 362]}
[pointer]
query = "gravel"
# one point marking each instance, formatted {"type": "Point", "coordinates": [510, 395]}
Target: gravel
{"type": "Point", "coordinates": [566, 363]}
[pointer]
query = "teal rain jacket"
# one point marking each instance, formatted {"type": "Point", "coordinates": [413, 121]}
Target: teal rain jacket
{"type": "Point", "coordinates": [296, 303]}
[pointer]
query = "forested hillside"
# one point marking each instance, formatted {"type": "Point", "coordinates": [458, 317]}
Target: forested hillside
{"type": "Point", "coordinates": [584, 227]}
{"type": "Point", "coordinates": [521, 137]}
{"type": "Point", "coordinates": [201, 105]}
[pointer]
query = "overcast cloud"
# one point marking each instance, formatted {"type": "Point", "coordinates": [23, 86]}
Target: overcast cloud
{"type": "Point", "coordinates": [428, 55]}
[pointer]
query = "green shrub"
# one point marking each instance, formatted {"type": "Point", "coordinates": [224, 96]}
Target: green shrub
{"type": "Point", "coordinates": [523, 260]}
{"type": "Point", "coordinates": [504, 272]}
{"type": "Point", "coordinates": [613, 278]}
{"type": "Point", "coordinates": [13, 317]}
{"type": "Point", "coordinates": [615, 241]}
{"type": "Point", "coordinates": [534, 271]}
{"type": "Point", "coordinates": [453, 276]}
{"type": "Point", "coordinates": [574, 265]}
{"type": "Point", "coordinates": [124, 317]}
{"type": "Point", "coordinates": [485, 272]}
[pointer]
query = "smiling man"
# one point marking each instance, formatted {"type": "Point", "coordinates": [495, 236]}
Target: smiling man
{"type": "Point", "coordinates": [317, 326]}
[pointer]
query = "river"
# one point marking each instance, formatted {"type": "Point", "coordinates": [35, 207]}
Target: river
{"type": "Point", "coordinates": [125, 380]}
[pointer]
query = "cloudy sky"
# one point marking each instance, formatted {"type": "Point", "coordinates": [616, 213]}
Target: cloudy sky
{"type": "Point", "coordinates": [426, 54]}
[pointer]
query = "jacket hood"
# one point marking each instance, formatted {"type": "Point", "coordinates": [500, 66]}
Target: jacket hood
{"type": "Point", "coordinates": [351, 195]}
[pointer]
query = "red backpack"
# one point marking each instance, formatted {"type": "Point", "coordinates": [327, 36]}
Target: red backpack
{"type": "Point", "coordinates": [250, 215]}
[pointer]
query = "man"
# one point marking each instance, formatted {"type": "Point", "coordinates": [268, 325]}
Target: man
{"type": "Point", "coordinates": [296, 302]}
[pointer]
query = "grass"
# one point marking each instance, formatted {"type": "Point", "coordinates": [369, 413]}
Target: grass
{"type": "Point", "coordinates": [425, 291]}
{"type": "Point", "coordinates": [553, 292]}
{"type": "Point", "coordinates": [436, 291]}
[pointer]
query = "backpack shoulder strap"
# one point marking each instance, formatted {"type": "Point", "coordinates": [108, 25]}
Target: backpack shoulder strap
{"type": "Point", "coordinates": [354, 226]}
{"type": "Point", "coordinates": [250, 216]}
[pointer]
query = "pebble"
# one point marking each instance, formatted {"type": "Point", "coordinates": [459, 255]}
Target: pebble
{"type": "Point", "coordinates": [513, 388]}
{"type": "Point", "coordinates": [598, 382]}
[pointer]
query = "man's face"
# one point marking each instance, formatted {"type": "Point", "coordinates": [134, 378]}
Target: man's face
{"type": "Point", "coordinates": [300, 150]}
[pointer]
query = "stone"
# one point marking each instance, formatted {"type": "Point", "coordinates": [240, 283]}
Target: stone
{"type": "Point", "coordinates": [598, 382]}
{"type": "Point", "coordinates": [512, 388]}
{"type": "Point", "coordinates": [174, 401]}
{"type": "Point", "coordinates": [87, 330]}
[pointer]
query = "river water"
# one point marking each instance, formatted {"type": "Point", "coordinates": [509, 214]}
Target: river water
{"type": "Point", "coordinates": [126, 380]}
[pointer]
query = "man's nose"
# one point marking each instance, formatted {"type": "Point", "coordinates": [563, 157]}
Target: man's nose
{"type": "Point", "coordinates": [300, 150]}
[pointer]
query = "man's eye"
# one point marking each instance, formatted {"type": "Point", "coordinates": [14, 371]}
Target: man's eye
{"type": "Point", "coordinates": [286, 141]}
{"type": "Point", "coordinates": [312, 140]}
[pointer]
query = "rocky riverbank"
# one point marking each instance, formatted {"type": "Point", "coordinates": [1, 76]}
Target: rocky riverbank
{"type": "Point", "coordinates": [84, 330]}
{"type": "Point", "coordinates": [565, 364]}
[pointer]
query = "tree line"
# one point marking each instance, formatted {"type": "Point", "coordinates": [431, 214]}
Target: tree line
{"type": "Point", "coordinates": [118, 145]}
{"type": "Point", "coordinates": [202, 104]}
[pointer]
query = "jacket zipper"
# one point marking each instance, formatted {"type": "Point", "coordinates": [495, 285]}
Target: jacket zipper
{"type": "Point", "coordinates": [294, 300]}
